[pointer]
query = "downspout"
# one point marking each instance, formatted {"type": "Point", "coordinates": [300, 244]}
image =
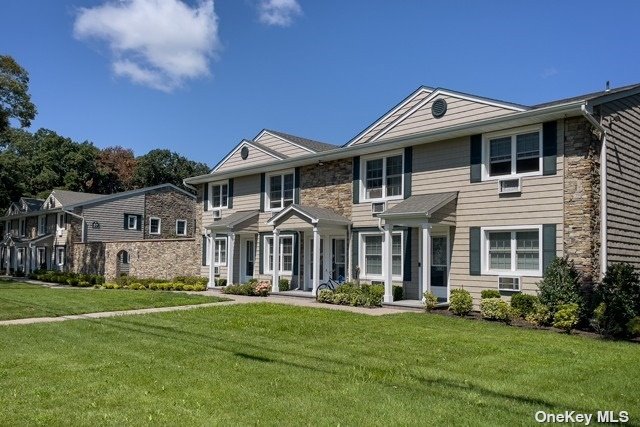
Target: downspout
{"type": "Point", "coordinates": [603, 187]}
{"type": "Point", "coordinates": [83, 223]}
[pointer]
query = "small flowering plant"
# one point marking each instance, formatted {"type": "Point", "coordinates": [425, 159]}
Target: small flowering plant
{"type": "Point", "coordinates": [262, 289]}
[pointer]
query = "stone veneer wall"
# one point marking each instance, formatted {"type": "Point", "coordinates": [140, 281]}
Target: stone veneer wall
{"type": "Point", "coordinates": [163, 259]}
{"type": "Point", "coordinates": [582, 197]}
{"type": "Point", "coordinates": [328, 186]}
{"type": "Point", "coordinates": [169, 206]}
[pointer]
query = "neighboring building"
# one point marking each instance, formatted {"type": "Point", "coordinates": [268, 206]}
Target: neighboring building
{"type": "Point", "coordinates": [149, 232]}
{"type": "Point", "coordinates": [445, 190]}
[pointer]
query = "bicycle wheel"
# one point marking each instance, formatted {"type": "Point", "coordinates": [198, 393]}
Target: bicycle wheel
{"type": "Point", "coordinates": [321, 287]}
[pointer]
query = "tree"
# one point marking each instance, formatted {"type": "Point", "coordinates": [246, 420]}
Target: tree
{"type": "Point", "coordinates": [163, 166]}
{"type": "Point", "coordinates": [15, 101]}
{"type": "Point", "coordinates": [116, 167]}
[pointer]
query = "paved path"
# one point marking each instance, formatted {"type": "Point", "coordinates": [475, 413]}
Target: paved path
{"type": "Point", "coordinates": [235, 299]}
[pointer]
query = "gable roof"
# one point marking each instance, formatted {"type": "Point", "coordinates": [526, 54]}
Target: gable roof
{"type": "Point", "coordinates": [261, 147]}
{"type": "Point", "coordinates": [422, 205]}
{"type": "Point", "coordinates": [310, 144]}
{"type": "Point", "coordinates": [66, 197]}
{"type": "Point", "coordinates": [33, 204]}
{"type": "Point", "coordinates": [229, 222]}
{"type": "Point", "coordinates": [106, 197]}
{"type": "Point", "coordinates": [315, 214]}
{"type": "Point", "coordinates": [589, 96]}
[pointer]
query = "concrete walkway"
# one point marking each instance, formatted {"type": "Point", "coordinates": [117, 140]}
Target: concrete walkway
{"type": "Point", "coordinates": [235, 299]}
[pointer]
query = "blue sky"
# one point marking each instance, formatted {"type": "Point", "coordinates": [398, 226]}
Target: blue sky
{"type": "Point", "coordinates": [199, 77]}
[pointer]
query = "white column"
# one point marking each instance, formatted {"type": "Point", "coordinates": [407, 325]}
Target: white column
{"type": "Point", "coordinates": [425, 259]}
{"type": "Point", "coordinates": [387, 271]}
{"type": "Point", "coordinates": [212, 254]}
{"type": "Point", "coordinates": [275, 283]}
{"type": "Point", "coordinates": [230, 258]}
{"type": "Point", "coordinates": [307, 261]}
{"type": "Point", "coordinates": [316, 260]}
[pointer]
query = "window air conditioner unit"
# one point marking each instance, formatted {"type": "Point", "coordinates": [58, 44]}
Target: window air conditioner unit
{"type": "Point", "coordinates": [378, 208]}
{"type": "Point", "coordinates": [510, 284]}
{"type": "Point", "coordinates": [509, 186]}
{"type": "Point", "coordinates": [217, 214]}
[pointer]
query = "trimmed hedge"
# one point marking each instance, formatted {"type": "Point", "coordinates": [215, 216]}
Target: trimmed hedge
{"type": "Point", "coordinates": [150, 285]}
{"type": "Point", "coordinates": [252, 288]}
{"type": "Point", "coordinates": [67, 278]}
{"type": "Point", "coordinates": [496, 309]}
{"type": "Point", "coordinates": [460, 302]}
{"type": "Point", "coordinates": [354, 295]}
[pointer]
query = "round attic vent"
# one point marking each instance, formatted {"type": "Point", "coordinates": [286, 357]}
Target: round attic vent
{"type": "Point", "coordinates": [244, 153]}
{"type": "Point", "coordinates": [439, 108]}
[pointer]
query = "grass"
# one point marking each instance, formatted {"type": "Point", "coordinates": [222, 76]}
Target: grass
{"type": "Point", "coordinates": [267, 364]}
{"type": "Point", "coordinates": [22, 300]}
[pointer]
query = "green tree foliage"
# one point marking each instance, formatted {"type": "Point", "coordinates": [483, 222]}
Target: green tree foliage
{"type": "Point", "coordinates": [560, 285]}
{"type": "Point", "coordinates": [15, 101]}
{"type": "Point", "coordinates": [164, 166]}
{"type": "Point", "coordinates": [619, 301]}
{"type": "Point", "coordinates": [116, 167]}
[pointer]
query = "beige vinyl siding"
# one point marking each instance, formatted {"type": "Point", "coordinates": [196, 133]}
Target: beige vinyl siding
{"type": "Point", "coordinates": [281, 146]}
{"type": "Point", "coordinates": [246, 197]}
{"type": "Point", "coordinates": [623, 180]}
{"type": "Point", "coordinates": [458, 111]}
{"type": "Point", "coordinates": [256, 157]}
{"type": "Point", "coordinates": [293, 221]}
{"type": "Point", "coordinates": [110, 216]}
{"type": "Point", "coordinates": [409, 104]}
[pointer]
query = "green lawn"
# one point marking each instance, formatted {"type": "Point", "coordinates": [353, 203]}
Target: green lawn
{"type": "Point", "coordinates": [280, 365]}
{"type": "Point", "coordinates": [22, 300]}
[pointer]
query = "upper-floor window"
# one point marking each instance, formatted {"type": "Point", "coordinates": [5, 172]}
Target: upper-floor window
{"type": "Point", "coordinates": [61, 220]}
{"type": "Point", "coordinates": [513, 153]}
{"type": "Point", "coordinates": [22, 223]}
{"type": "Point", "coordinates": [154, 225]}
{"type": "Point", "coordinates": [512, 251]}
{"type": "Point", "coordinates": [42, 225]}
{"type": "Point", "coordinates": [132, 222]}
{"type": "Point", "coordinates": [382, 177]}
{"type": "Point", "coordinates": [279, 191]}
{"type": "Point", "coordinates": [181, 227]}
{"type": "Point", "coordinates": [219, 195]}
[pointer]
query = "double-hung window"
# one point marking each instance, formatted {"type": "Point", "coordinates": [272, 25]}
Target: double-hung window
{"type": "Point", "coordinates": [23, 226]}
{"type": "Point", "coordinates": [280, 190]}
{"type": "Point", "coordinates": [513, 251]}
{"type": "Point", "coordinates": [181, 227]}
{"type": "Point", "coordinates": [219, 196]}
{"type": "Point", "coordinates": [285, 256]}
{"type": "Point", "coordinates": [132, 222]}
{"type": "Point", "coordinates": [220, 251]}
{"type": "Point", "coordinates": [42, 225]}
{"type": "Point", "coordinates": [513, 154]}
{"type": "Point", "coordinates": [154, 225]}
{"type": "Point", "coordinates": [382, 177]}
{"type": "Point", "coordinates": [371, 247]}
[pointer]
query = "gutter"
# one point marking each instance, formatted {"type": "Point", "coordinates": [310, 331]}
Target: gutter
{"type": "Point", "coordinates": [588, 114]}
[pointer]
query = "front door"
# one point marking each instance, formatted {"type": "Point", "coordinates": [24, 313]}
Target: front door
{"type": "Point", "coordinates": [440, 267]}
{"type": "Point", "coordinates": [248, 259]}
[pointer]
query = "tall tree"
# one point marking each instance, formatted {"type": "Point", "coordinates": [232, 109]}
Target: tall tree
{"type": "Point", "coordinates": [116, 167]}
{"type": "Point", "coordinates": [163, 166]}
{"type": "Point", "coordinates": [15, 101]}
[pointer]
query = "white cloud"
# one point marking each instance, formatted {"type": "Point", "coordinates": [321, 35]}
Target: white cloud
{"type": "Point", "coordinates": [549, 72]}
{"type": "Point", "coordinates": [279, 12]}
{"type": "Point", "coordinates": [156, 43]}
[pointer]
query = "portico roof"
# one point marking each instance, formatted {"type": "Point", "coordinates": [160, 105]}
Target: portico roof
{"type": "Point", "coordinates": [313, 214]}
{"type": "Point", "coordinates": [423, 205]}
{"type": "Point", "coordinates": [233, 220]}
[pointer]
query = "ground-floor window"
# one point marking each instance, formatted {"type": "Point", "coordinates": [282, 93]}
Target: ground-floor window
{"type": "Point", "coordinates": [285, 258]}
{"type": "Point", "coordinates": [512, 250]}
{"type": "Point", "coordinates": [220, 254]}
{"type": "Point", "coordinates": [60, 256]}
{"type": "Point", "coordinates": [371, 258]}
{"type": "Point", "coordinates": [41, 258]}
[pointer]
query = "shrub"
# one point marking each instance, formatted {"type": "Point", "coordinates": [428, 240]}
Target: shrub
{"type": "Point", "coordinates": [633, 327]}
{"type": "Point", "coordinates": [284, 285]}
{"type": "Point", "coordinates": [566, 317]}
{"type": "Point", "coordinates": [350, 294]}
{"type": "Point", "coordinates": [325, 295]}
{"type": "Point", "coordinates": [84, 284]}
{"type": "Point", "coordinates": [221, 282]}
{"type": "Point", "coordinates": [187, 288]}
{"type": "Point", "coordinates": [540, 315]}
{"type": "Point", "coordinates": [523, 304]}
{"type": "Point", "coordinates": [560, 285]}
{"type": "Point", "coordinates": [249, 289]}
{"type": "Point", "coordinates": [496, 309]}
{"type": "Point", "coordinates": [619, 301]}
{"type": "Point", "coordinates": [460, 302]}
{"type": "Point", "coordinates": [430, 301]}
{"type": "Point", "coordinates": [398, 293]}
{"type": "Point", "coordinates": [489, 293]}
{"type": "Point", "coordinates": [191, 280]}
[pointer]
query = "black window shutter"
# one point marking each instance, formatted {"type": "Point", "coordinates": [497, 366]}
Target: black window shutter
{"type": "Point", "coordinates": [548, 245]}
{"type": "Point", "coordinates": [262, 187]}
{"type": "Point", "coordinates": [355, 255]}
{"type": "Point", "coordinates": [407, 255]}
{"type": "Point", "coordinates": [261, 254]}
{"type": "Point", "coordinates": [408, 169]}
{"type": "Point", "coordinates": [204, 250]}
{"type": "Point", "coordinates": [474, 251]}
{"type": "Point", "coordinates": [296, 186]}
{"type": "Point", "coordinates": [356, 179]}
{"type": "Point", "coordinates": [230, 194]}
{"type": "Point", "coordinates": [475, 158]}
{"type": "Point", "coordinates": [295, 255]}
{"type": "Point", "coordinates": [549, 147]}
{"type": "Point", "coordinates": [126, 224]}
{"type": "Point", "coordinates": [139, 222]}
{"type": "Point", "coordinates": [205, 197]}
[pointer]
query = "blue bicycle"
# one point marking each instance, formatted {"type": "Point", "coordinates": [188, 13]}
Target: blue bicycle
{"type": "Point", "coordinates": [330, 284]}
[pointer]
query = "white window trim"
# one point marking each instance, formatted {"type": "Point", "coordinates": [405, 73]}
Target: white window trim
{"type": "Point", "coordinates": [210, 202]}
{"type": "Point", "coordinates": [42, 225]}
{"type": "Point", "coordinates": [267, 189]}
{"type": "Point", "coordinates": [59, 259]}
{"type": "Point", "coordinates": [484, 250]}
{"type": "Point", "coordinates": [362, 256]}
{"type": "Point", "coordinates": [22, 227]}
{"type": "Point", "coordinates": [267, 253]}
{"type": "Point", "coordinates": [220, 262]}
{"type": "Point", "coordinates": [159, 225]}
{"type": "Point", "coordinates": [185, 227]}
{"type": "Point", "coordinates": [363, 176]}
{"type": "Point", "coordinates": [135, 222]}
{"type": "Point", "coordinates": [512, 133]}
